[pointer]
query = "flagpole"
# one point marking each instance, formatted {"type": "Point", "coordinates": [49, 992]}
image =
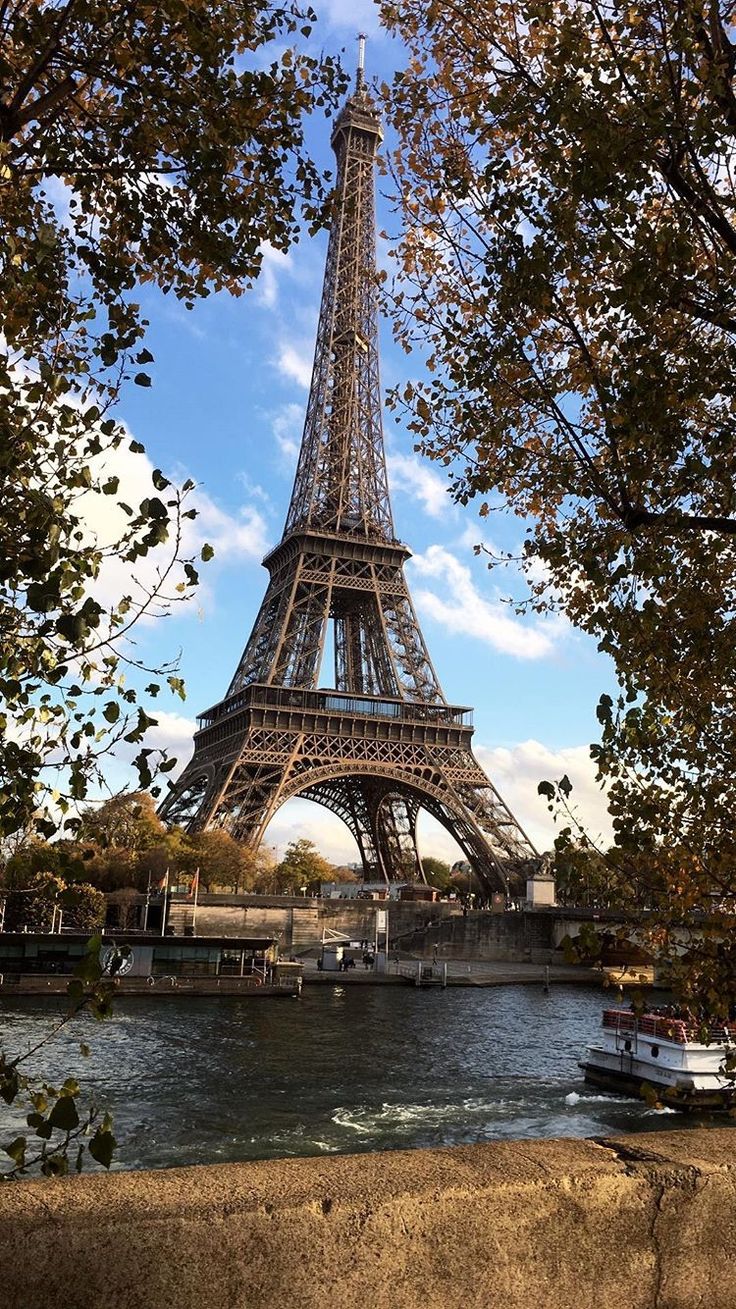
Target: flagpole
{"type": "Point", "coordinates": [166, 897]}
{"type": "Point", "coordinates": [196, 897]}
{"type": "Point", "coordinates": [148, 901]}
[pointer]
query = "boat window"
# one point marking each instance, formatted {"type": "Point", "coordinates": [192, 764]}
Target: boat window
{"type": "Point", "coordinates": [655, 1052]}
{"type": "Point", "coordinates": [627, 1045]}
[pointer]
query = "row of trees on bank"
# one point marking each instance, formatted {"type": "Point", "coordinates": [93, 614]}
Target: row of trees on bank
{"type": "Point", "coordinates": [122, 845]}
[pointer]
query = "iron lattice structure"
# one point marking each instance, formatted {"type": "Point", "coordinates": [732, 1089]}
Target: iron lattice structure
{"type": "Point", "coordinates": [383, 743]}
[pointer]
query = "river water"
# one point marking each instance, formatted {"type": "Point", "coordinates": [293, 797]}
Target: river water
{"type": "Point", "coordinates": [341, 1069]}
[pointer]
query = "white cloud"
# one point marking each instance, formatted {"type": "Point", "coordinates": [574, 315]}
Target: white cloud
{"type": "Point", "coordinates": [516, 772]}
{"type": "Point", "coordinates": [352, 16]}
{"type": "Point", "coordinates": [462, 609]}
{"type": "Point", "coordinates": [294, 363]}
{"type": "Point", "coordinates": [254, 489]}
{"type": "Point", "coordinates": [287, 429]}
{"type": "Point", "coordinates": [173, 733]}
{"type": "Point", "coordinates": [414, 478]}
{"type": "Point", "coordinates": [235, 537]}
{"type": "Point", "coordinates": [274, 262]}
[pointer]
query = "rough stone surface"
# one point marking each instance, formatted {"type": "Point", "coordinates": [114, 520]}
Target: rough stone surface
{"type": "Point", "coordinates": [641, 1222]}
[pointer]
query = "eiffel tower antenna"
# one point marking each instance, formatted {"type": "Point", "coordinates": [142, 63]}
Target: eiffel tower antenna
{"type": "Point", "coordinates": [380, 743]}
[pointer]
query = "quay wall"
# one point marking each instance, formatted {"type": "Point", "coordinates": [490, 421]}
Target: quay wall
{"type": "Point", "coordinates": [488, 937]}
{"type": "Point", "coordinates": [531, 936]}
{"type": "Point", "coordinates": [645, 1222]}
{"type": "Point", "coordinates": [299, 923]}
{"type": "Point", "coordinates": [413, 928]}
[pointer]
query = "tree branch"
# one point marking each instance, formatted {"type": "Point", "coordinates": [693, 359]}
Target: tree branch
{"type": "Point", "coordinates": [634, 518]}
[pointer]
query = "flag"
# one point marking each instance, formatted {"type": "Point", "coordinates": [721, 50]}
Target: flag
{"type": "Point", "coordinates": [194, 886]}
{"type": "Point", "coordinates": [163, 884]}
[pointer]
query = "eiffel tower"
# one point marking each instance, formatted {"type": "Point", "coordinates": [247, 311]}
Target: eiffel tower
{"type": "Point", "coordinates": [383, 742]}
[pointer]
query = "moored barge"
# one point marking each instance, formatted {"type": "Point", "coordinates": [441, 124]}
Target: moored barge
{"type": "Point", "coordinates": [42, 963]}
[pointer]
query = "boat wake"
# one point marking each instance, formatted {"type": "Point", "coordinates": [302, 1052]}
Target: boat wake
{"type": "Point", "coordinates": [574, 1098]}
{"type": "Point", "coordinates": [404, 1119]}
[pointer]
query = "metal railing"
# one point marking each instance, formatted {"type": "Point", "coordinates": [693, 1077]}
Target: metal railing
{"type": "Point", "coordinates": [285, 697]}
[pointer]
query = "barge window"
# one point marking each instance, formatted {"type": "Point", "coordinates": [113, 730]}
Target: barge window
{"type": "Point", "coordinates": [180, 960]}
{"type": "Point", "coordinates": [655, 1052]}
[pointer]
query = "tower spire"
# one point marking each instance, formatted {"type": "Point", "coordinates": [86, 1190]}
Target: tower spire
{"type": "Point", "coordinates": [341, 483]}
{"type": "Point", "coordinates": [360, 75]}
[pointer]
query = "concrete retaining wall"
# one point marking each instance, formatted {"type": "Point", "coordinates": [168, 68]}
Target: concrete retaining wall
{"type": "Point", "coordinates": [495, 938]}
{"type": "Point", "coordinates": [640, 1222]}
{"type": "Point", "coordinates": [298, 924]}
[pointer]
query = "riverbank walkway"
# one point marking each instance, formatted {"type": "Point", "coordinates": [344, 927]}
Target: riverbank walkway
{"type": "Point", "coordinates": [460, 972]}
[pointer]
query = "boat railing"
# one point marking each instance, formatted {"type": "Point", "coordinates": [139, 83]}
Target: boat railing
{"type": "Point", "coordinates": [669, 1028]}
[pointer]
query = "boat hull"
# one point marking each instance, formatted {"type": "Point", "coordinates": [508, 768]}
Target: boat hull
{"type": "Point", "coordinates": [632, 1084]}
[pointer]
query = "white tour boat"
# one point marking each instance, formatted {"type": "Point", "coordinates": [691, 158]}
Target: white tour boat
{"type": "Point", "coordinates": [666, 1053]}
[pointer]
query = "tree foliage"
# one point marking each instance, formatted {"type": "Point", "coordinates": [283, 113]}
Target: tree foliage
{"type": "Point", "coordinates": [140, 143]}
{"type": "Point", "coordinates": [302, 865]}
{"type": "Point", "coordinates": [223, 862]}
{"type": "Point", "coordinates": [123, 845]}
{"type": "Point", "coordinates": [42, 881]}
{"type": "Point", "coordinates": [566, 172]}
{"type": "Point", "coordinates": [437, 872]}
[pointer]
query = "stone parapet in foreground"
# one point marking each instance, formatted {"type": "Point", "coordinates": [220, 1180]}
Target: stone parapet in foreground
{"type": "Point", "coordinates": [630, 1222]}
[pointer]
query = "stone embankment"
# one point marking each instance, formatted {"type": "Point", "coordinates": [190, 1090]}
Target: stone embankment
{"type": "Point", "coordinates": [461, 972]}
{"type": "Point", "coordinates": [639, 1222]}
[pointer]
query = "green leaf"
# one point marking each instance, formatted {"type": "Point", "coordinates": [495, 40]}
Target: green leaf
{"type": "Point", "coordinates": [17, 1150]}
{"type": "Point", "coordinates": [207, 553]}
{"type": "Point", "coordinates": [142, 379]}
{"type": "Point", "coordinates": [9, 1084]}
{"type": "Point", "coordinates": [64, 1114]}
{"type": "Point", "coordinates": [55, 1165]}
{"type": "Point", "coordinates": [103, 1145]}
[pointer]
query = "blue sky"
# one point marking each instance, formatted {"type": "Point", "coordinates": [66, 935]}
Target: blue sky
{"type": "Point", "coordinates": [230, 383]}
